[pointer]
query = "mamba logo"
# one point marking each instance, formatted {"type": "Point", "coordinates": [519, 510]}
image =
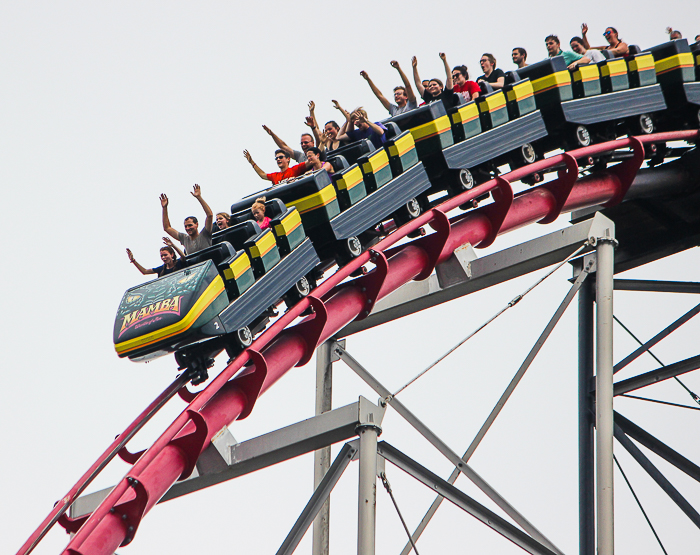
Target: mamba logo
{"type": "Point", "coordinates": [171, 305]}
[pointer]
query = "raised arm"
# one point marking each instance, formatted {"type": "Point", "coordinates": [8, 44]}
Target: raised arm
{"type": "Point", "coordinates": [279, 142]}
{"type": "Point", "coordinates": [257, 169]}
{"type": "Point", "coordinates": [342, 111]}
{"type": "Point", "coordinates": [584, 32]}
{"type": "Point", "coordinates": [170, 230]}
{"type": "Point", "coordinates": [347, 126]}
{"type": "Point", "coordinates": [361, 119]}
{"type": "Point", "coordinates": [376, 91]}
{"type": "Point", "coordinates": [209, 221]}
{"type": "Point", "coordinates": [449, 84]}
{"type": "Point", "coordinates": [168, 242]}
{"type": "Point", "coordinates": [407, 85]}
{"type": "Point", "coordinates": [144, 271]}
{"type": "Point", "coordinates": [416, 78]}
{"type": "Point", "coordinates": [314, 127]}
{"type": "Point", "coordinates": [580, 61]}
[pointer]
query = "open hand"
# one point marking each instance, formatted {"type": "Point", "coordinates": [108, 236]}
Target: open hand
{"type": "Point", "coordinates": [584, 28]}
{"type": "Point", "coordinates": [131, 256]}
{"type": "Point", "coordinates": [248, 156]}
{"type": "Point", "coordinates": [312, 105]}
{"type": "Point", "coordinates": [196, 191]}
{"type": "Point", "coordinates": [163, 200]}
{"type": "Point", "coordinates": [267, 129]}
{"type": "Point", "coordinates": [309, 121]}
{"type": "Point", "coordinates": [414, 61]}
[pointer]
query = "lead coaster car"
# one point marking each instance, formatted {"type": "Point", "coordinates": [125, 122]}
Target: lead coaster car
{"type": "Point", "coordinates": [157, 317]}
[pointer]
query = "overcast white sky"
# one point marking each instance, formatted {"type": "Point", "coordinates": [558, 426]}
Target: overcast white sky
{"type": "Point", "coordinates": [106, 105]}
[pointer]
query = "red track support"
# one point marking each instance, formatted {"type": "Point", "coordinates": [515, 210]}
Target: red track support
{"type": "Point", "coordinates": [173, 455]}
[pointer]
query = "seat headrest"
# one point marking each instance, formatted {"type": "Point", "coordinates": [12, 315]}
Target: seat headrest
{"type": "Point", "coordinates": [237, 234]}
{"type": "Point", "coordinates": [512, 77]}
{"type": "Point", "coordinates": [392, 130]}
{"type": "Point", "coordinates": [339, 162]}
{"type": "Point", "coordinates": [486, 88]}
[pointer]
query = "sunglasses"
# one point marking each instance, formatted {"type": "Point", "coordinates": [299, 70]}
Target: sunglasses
{"type": "Point", "coordinates": [607, 33]}
{"type": "Point", "coordinates": [456, 75]}
{"type": "Point", "coordinates": [280, 157]}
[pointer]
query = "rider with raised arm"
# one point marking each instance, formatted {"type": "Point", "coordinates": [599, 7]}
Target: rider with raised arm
{"type": "Point", "coordinates": [404, 96]}
{"type": "Point", "coordinates": [192, 240]}
{"type": "Point", "coordinates": [435, 89]}
{"type": "Point", "coordinates": [616, 47]}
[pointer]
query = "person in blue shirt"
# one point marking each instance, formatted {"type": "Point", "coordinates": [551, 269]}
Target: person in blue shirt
{"type": "Point", "coordinates": [365, 129]}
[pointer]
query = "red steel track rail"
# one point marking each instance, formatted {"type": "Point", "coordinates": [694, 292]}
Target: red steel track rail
{"type": "Point", "coordinates": [335, 304]}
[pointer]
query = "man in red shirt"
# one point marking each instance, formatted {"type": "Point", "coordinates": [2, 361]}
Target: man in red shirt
{"type": "Point", "coordinates": [282, 159]}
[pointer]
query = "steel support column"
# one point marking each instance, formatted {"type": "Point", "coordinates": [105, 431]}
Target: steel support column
{"type": "Point", "coordinates": [367, 494]}
{"type": "Point", "coordinates": [605, 258]}
{"type": "Point", "coordinates": [322, 457]}
{"type": "Point", "coordinates": [586, 454]}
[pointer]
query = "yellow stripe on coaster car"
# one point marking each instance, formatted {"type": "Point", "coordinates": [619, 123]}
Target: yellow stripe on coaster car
{"type": "Point", "coordinates": [263, 245]}
{"type": "Point", "coordinates": [552, 81]}
{"type": "Point", "coordinates": [349, 179]}
{"type": "Point", "coordinates": [642, 63]}
{"type": "Point", "coordinates": [586, 73]}
{"type": "Point", "coordinates": [213, 290]}
{"type": "Point", "coordinates": [376, 162]}
{"type": "Point", "coordinates": [430, 129]}
{"type": "Point", "coordinates": [238, 267]}
{"type": "Point", "coordinates": [288, 224]}
{"type": "Point", "coordinates": [492, 103]}
{"type": "Point", "coordinates": [697, 60]}
{"type": "Point", "coordinates": [466, 113]}
{"type": "Point", "coordinates": [402, 145]}
{"type": "Point", "coordinates": [685, 59]}
{"type": "Point", "coordinates": [316, 200]}
{"type": "Point", "coordinates": [614, 68]}
{"type": "Point", "coordinates": [521, 91]}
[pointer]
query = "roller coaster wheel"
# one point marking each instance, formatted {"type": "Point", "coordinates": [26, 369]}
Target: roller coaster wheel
{"type": "Point", "coordinates": [527, 153]}
{"type": "Point", "coordinates": [466, 179]}
{"type": "Point", "coordinates": [352, 247]}
{"type": "Point", "coordinates": [581, 136]}
{"type": "Point", "coordinates": [301, 288]}
{"type": "Point", "coordinates": [644, 124]}
{"type": "Point", "coordinates": [244, 337]}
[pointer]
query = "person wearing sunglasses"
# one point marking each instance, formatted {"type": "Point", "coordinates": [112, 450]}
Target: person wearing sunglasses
{"type": "Point", "coordinates": [616, 46]}
{"type": "Point", "coordinates": [674, 34]}
{"type": "Point", "coordinates": [460, 79]}
{"type": "Point", "coordinates": [282, 159]}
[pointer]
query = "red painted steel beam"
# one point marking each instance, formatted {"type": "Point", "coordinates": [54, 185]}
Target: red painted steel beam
{"type": "Point", "coordinates": [224, 401]}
